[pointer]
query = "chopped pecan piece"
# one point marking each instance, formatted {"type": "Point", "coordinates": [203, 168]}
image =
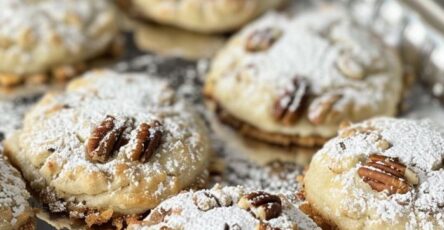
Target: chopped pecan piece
{"type": "Point", "coordinates": [55, 204]}
{"type": "Point", "coordinates": [158, 216]}
{"type": "Point", "coordinates": [261, 40]}
{"type": "Point", "coordinates": [289, 106]}
{"type": "Point", "coordinates": [321, 110]}
{"type": "Point", "coordinates": [264, 226]}
{"type": "Point", "coordinates": [232, 227]}
{"type": "Point", "coordinates": [205, 201]}
{"type": "Point", "coordinates": [350, 67]}
{"type": "Point", "coordinates": [351, 131]}
{"type": "Point", "coordinates": [262, 205]}
{"type": "Point", "coordinates": [105, 139]}
{"type": "Point", "coordinates": [98, 218]}
{"type": "Point", "coordinates": [146, 141]}
{"type": "Point", "coordinates": [386, 173]}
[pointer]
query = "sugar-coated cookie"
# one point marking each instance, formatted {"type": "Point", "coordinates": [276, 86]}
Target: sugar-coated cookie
{"type": "Point", "coordinates": [226, 208]}
{"type": "Point", "coordinates": [111, 146]}
{"type": "Point", "coordinates": [291, 81]}
{"type": "Point", "coordinates": [43, 38]}
{"type": "Point", "coordinates": [383, 173]}
{"type": "Point", "coordinates": [15, 211]}
{"type": "Point", "coordinates": [205, 16]}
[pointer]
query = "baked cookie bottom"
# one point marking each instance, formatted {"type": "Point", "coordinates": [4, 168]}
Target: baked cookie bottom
{"type": "Point", "coordinates": [273, 138]}
{"type": "Point", "coordinates": [78, 214]}
{"type": "Point", "coordinates": [316, 217]}
{"type": "Point", "coordinates": [28, 225]}
{"type": "Point", "coordinates": [309, 210]}
{"type": "Point", "coordinates": [61, 73]}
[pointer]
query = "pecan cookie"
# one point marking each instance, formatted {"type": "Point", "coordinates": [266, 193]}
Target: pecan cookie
{"type": "Point", "coordinates": [15, 212]}
{"type": "Point", "coordinates": [384, 173]}
{"type": "Point", "coordinates": [293, 80]}
{"type": "Point", "coordinates": [52, 38]}
{"type": "Point", "coordinates": [226, 208]}
{"type": "Point", "coordinates": [204, 16]}
{"type": "Point", "coordinates": [111, 146]}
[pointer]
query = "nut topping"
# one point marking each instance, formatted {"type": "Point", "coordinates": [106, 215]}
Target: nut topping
{"type": "Point", "coordinates": [232, 227]}
{"type": "Point", "coordinates": [350, 67]}
{"type": "Point", "coordinates": [321, 110]}
{"type": "Point", "coordinates": [205, 201]}
{"type": "Point", "coordinates": [263, 226]}
{"type": "Point", "coordinates": [101, 142]}
{"type": "Point", "coordinates": [351, 131]}
{"type": "Point", "coordinates": [261, 40]}
{"type": "Point", "coordinates": [386, 173]}
{"type": "Point", "coordinates": [288, 107]}
{"type": "Point", "coordinates": [262, 205]}
{"type": "Point", "coordinates": [146, 141]}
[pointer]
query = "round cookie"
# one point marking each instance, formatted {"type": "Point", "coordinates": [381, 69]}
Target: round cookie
{"type": "Point", "coordinates": [111, 145]}
{"type": "Point", "coordinates": [291, 81]}
{"type": "Point", "coordinates": [202, 15]}
{"type": "Point", "coordinates": [39, 38]}
{"type": "Point", "coordinates": [15, 212]}
{"type": "Point", "coordinates": [226, 208]}
{"type": "Point", "coordinates": [384, 173]}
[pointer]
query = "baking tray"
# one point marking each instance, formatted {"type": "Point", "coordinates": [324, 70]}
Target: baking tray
{"type": "Point", "coordinates": [246, 162]}
{"type": "Point", "coordinates": [415, 28]}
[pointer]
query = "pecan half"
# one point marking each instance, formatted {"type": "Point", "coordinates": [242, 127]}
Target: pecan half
{"type": "Point", "coordinates": [147, 140]}
{"type": "Point", "coordinates": [386, 173]}
{"type": "Point", "coordinates": [101, 142]}
{"type": "Point", "coordinates": [105, 139]}
{"type": "Point", "coordinates": [321, 110]}
{"type": "Point", "coordinates": [262, 205]}
{"type": "Point", "coordinates": [288, 107]}
{"type": "Point", "coordinates": [261, 40]}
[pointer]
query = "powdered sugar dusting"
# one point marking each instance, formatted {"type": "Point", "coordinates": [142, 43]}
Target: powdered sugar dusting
{"type": "Point", "coordinates": [198, 210]}
{"type": "Point", "coordinates": [13, 194]}
{"type": "Point", "coordinates": [418, 144]}
{"type": "Point", "coordinates": [32, 30]}
{"type": "Point", "coordinates": [323, 47]}
{"type": "Point", "coordinates": [69, 118]}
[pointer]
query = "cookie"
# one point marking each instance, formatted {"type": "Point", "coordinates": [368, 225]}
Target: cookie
{"type": "Point", "coordinates": [52, 38]}
{"type": "Point", "coordinates": [15, 211]}
{"type": "Point", "coordinates": [225, 208]}
{"type": "Point", "coordinates": [204, 16]}
{"type": "Point", "coordinates": [111, 146]}
{"type": "Point", "coordinates": [383, 173]}
{"type": "Point", "coordinates": [292, 80]}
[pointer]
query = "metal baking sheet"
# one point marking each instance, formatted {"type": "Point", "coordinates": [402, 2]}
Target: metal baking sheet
{"type": "Point", "coordinates": [415, 27]}
{"type": "Point", "coordinates": [248, 162]}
